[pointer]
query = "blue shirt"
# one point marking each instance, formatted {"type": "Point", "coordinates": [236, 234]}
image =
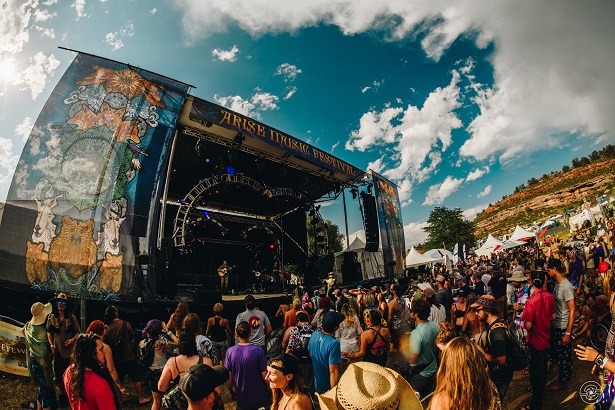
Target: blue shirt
{"type": "Point", "coordinates": [423, 343]}
{"type": "Point", "coordinates": [325, 350]}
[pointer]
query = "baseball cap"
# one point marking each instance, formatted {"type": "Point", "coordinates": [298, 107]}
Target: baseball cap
{"type": "Point", "coordinates": [200, 380]}
{"type": "Point", "coordinates": [440, 278]}
{"type": "Point", "coordinates": [484, 301]}
{"type": "Point", "coordinates": [424, 286]}
{"type": "Point", "coordinates": [429, 292]}
{"type": "Point", "coordinates": [331, 320]}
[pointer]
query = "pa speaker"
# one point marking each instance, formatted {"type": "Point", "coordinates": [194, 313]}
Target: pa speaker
{"type": "Point", "coordinates": [370, 215]}
{"type": "Point", "coordinates": [207, 296]}
{"type": "Point", "coordinates": [350, 269]}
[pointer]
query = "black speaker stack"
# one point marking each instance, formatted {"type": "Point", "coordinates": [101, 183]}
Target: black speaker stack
{"type": "Point", "coordinates": [370, 215]}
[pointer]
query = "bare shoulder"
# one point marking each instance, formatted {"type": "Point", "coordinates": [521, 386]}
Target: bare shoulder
{"type": "Point", "coordinates": [300, 402]}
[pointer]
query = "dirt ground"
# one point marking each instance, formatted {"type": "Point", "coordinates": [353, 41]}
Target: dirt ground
{"type": "Point", "coordinates": [16, 390]}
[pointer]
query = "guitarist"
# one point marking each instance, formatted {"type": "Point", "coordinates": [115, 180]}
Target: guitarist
{"type": "Point", "coordinates": [223, 272]}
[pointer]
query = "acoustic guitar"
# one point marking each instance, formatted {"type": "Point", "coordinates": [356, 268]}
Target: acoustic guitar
{"type": "Point", "coordinates": [222, 272]}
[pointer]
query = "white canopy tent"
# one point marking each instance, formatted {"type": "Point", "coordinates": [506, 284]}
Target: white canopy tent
{"type": "Point", "coordinates": [438, 255]}
{"type": "Point", "coordinates": [586, 215]}
{"type": "Point", "coordinates": [415, 258]}
{"type": "Point", "coordinates": [520, 234]}
{"type": "Point", "coordinates": [489, 246]}
{"type": "Point", "coordinates": [511, 244]}
{"type": "Point", "coordinates": [372, 263]}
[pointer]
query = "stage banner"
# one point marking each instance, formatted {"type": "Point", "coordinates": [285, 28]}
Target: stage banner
{"type": "Point", "coordinates": [205, 112]}
{"type": "Point", "coordinates": [391, 226]}
{"type": "Point", "coordinates": [12, 347]}
{"type": "Point", "coordinates": [82, 200]}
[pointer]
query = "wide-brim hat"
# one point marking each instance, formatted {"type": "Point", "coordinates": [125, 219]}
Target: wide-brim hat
{"type": "Point", "coordinates": [518, 276]}
{"type": "Point", "coordinates": [39, 312]}
{"type": "Point", "coordinates": [61, 297]}
{"type": "Point", "coordinates": [484, 301]}
{"type": "Point", "coordinates": [368, 386]}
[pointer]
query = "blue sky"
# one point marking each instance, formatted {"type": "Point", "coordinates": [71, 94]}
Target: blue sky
{"type": "Point", "coordinates": [458, 102]}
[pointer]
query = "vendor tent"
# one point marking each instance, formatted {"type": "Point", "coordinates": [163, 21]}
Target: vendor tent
{"type": "Point", "coordinates": [521, 234]}
{"type": "Point", "coordinates": [355, 245]}
{"type": "Point", "coordinates": [586, 215]}
{"type": "Point", "coordinates": [511, 244]}
{"type": "Point", "coordinates": [415, 258]}
{"type": "Point", "coordinates": [490, 245]}
{"type": "Point", "coordinates": [438, 254]}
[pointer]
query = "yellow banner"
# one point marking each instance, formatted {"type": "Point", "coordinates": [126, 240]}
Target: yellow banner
{"type": "Point", "coordinates": [12, 349]}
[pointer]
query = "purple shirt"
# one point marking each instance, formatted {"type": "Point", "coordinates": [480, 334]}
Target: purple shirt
{"type": "Point", "coordinates": [247, 364]}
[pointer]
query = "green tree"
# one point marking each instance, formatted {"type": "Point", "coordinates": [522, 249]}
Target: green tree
{"type": "Point", "coordinates": [447, 227]}
{"type": "Point", "coordinates": [565, 168]}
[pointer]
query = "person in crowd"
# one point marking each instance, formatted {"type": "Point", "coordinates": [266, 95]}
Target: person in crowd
{"type": "Point", "coordinates": [443, 296]}
{"type": "Point", "coordinates": [219, 332]}
{"type": "Point", "coordinates": [605, 362]}
{"type": "Point", "coordinates": [437, 310]}
{"type": "Point", "coordinates": [496, 343]}
{"type": "Point", "coordinates": [87, 385]}
{"type": "Point", "coordinates": [62, 331]}
{"type": "Point", "coordinates": [296, 340]}
{"type": "Point", "coordinates": [538, 313]}
{"type": "Point", "coordinates": [288, 391]}
{"type": "Point", "coordinates": [153, 355]}
{"type": "Point", "coordinates": [497, 284]}
{"type": "Point", "coordinates": [458, 310]}
{"type": "Point", "coordinates": [446, 334]}
{"type": "Point", "coordinates": [560, 349]}
{"type": "Point", "coordinates": [577, 276]}
{"type": "Point", "coordinates": [40, 358]}
{"type": "Point", "coordinates": [316, 298]}
{"type": "Point", "coordinates": [324, 307]}
{"type": "Point", "coordinates": [521, 294]}
{"type": "Point", "coordinates": [177, 317]}
{"type": "Point", "coordinates": [463, 380]}
{"type": "Point", "coordinates": [98, 327]}
{"type": "Point", "coordinates": [398, 311]}
{"type": "Point", "coordinates": [480, 287]}
{"type": "Point", "coordinates": [367, 385]}
{"type": "Point", "coordinates": [375, 341]}
{"type": "Point", "coordinates": [326, 353]}
{"type": "Point", "coordinates": [307, 305]}
{"type": "Point", "coordinates": [204, 346]}
{"type": "Point", "coordinates": [258, 320]}
{"type": "Point", "coordinates": [121, 339]}
{"type": "Point", "coordinates": [290, 318]}
{"type": "Point", "coordinates": [247, 366]}
{"type": "Point", "coordinates": [176, 366]}
{"type": "Point", "coordinates": [610, 340]}
{"type": "Point", "coordinates": [423, 352]}
{"type": "Point", "coordinates": [472, 326]}
{"type": "Point", "coordinates": [348, 333]}
{"type": "Point", "coordinates": [201, 385]}
{"type": "Point", "coordinates": [381, 299]}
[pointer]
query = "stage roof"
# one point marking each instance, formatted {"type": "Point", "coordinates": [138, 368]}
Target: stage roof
{"type": "Point", "coordinates": [213, 138]}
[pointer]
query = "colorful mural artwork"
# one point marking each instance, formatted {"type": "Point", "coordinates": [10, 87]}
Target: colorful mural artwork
{"type": "Point", "coordinates": [91, 169]}
{"type": "Point", "coordinates": [391, 225]}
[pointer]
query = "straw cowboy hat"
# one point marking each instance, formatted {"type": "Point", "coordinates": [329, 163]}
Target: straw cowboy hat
{"type": "Point", "coordinates": [39, 313]}
{"type": "Point", "coordinates": [369, 386]}
{"type": "Point", "coordinates": [61, 297]}
{"type": "Point", "coordinates": [518, 276]}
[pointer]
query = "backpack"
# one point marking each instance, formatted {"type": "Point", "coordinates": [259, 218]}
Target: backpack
{"type": "Point", "coordinates": [404, 316]}
{"type": "Point", "coordinates": [146, 353]}
{"type": "Point", "coordinates": [518, 358]}
{"type": "Point", "coordinates": [116, 345]}
{"type": "Point", "coordinates": [303, 354]}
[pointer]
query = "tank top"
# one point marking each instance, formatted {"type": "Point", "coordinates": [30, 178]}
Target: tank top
{"type": "Point", "coordinates": [381, 358]}
{"type": "Point", "coordinates": [217, 333]}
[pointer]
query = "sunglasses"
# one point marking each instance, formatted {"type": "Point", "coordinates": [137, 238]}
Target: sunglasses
{"type": "Point", "coordinates": [61, 303]}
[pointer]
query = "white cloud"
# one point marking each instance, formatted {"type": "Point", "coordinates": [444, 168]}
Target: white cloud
{"type": "Point", "coordinates": [477, 173]}
{"type": "Point", "coordinates": [551, 69]}
{"type": "Point", "coordinates": [46, 32]}
{"type": "Point", "coordinates": [224, 55]}
{"type": "Point", "coordinates": [471, 213]}
{"type": "Point", "coordinates": [265, 101]}
{"type": "Point", "coordinates": [377, 166]}
{"type": "Point", "coordinates": [115, 39]}
{"type": "Point", "coordinates": [43, 15]}
{"type": "Point", "coordinates": [153, 11]}
{"type": "Point", "coordinates": [374, 86]}
{"type": "Point", "coordinates": [34, 77]}
{"type": "Point", "coordinates": [365, 89]}
{"type": "Point", "coordinates": [404, 190]}
{"type": "Point", "coordinates": [485, 192]}
{"type": "Point", "coordinates": [8, 161]}
{"type": "Point", "coordinates": [79, 6]}
{"type": "Point", "coordinates": [290, 91]}
{"type": "Point", "coordinates": [238, 104]}
{"type": "Point", "coordinates": [334, 146]}
{"type": "Point", "coordinates": [418, 136]}
{"type": "Point", "coordinates": [436, 194]}
{"type": "Point", "coordinates": [601, 139]}
{"type": "Point", "coordinates": [414, 234]}
{"type": "Point", "coordinates": [289, 71]}
{"type": "Point", "coordinates": [23, 130]}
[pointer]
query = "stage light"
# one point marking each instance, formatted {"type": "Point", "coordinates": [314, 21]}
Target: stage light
{"type": "Point", "coordinates": [207, 160]}
{"type": "Point", "coordinates": [230, 170]}
{"type": "Point", "coordinates": [271, 246]}
{"type": "Point", "coordinates": [206, 214]}
{"type": "Point", "coordinates": [217, 192]}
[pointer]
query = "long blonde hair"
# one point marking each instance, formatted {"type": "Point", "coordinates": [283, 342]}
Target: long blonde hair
{"type": "Point", "coordinates": [349, 313]}
{"type": "Point", "coordinates": [462, 377]}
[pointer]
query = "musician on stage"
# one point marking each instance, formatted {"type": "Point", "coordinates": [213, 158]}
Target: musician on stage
{"type": "Point", "coordinates": [224, 271]}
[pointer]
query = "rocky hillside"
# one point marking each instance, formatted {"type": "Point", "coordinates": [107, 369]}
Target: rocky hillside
{"type": "Point", "coordinates": [549, 195]}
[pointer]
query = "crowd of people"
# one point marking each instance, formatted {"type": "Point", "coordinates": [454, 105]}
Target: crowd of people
{"type": "Point", "coordinates": [453, 328]}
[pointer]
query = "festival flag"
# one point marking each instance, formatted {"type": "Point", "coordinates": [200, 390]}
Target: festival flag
{"type": "Point", "coordinates": [464, 252]}
{"type": "Point", "coordinates": [544, 230]}
{"type": "Point", "coordinates": [456, 253]}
